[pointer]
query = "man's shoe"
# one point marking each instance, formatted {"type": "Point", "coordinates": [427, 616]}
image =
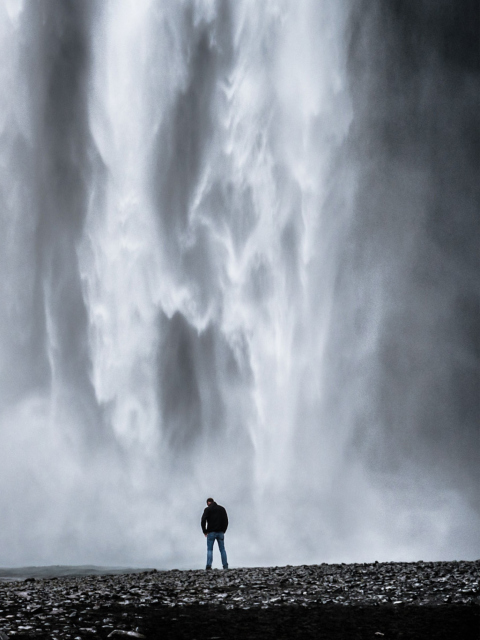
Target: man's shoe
{"type": "Point", "coordinates": [208, 568]}
{"type": "Point", "coordinates": [226, 566]}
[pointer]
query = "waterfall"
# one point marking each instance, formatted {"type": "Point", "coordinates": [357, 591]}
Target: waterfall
{"type": "Point", "coordinates": [221, 276]}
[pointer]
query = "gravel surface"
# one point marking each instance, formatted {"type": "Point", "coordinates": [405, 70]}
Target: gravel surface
{"type": "Point", "coordinates": [380, 600]}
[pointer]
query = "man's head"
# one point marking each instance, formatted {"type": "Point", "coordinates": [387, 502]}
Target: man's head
{"type": "Point", "coordinates": [210, 501]}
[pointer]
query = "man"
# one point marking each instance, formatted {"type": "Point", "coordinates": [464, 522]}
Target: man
{"type": "Point", "coordinates": [214, 524]}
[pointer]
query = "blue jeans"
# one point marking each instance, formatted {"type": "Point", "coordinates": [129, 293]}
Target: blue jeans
{"type": "Point", "coordinates": [211, 537]}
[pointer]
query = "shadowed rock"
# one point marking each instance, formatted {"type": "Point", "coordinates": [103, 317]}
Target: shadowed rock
{"type": "Point", "coordinates": [153, 603]}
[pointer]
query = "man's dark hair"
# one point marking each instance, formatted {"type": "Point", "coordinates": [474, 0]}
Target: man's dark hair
{"type": "Point", "coordinates": [210, 500]}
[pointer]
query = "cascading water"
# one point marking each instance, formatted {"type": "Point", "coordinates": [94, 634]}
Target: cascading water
{"type": "Point", "coordinates": [207, 290]}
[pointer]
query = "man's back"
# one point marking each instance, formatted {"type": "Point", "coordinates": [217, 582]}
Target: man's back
{"type": "Point", "coordinates": [214, 518]}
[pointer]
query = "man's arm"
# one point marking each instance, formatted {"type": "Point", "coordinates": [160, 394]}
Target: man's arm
{"type": "Point", "coordinates": [204, 522]}
{"type": "Point", "coordinates": [225, 518]}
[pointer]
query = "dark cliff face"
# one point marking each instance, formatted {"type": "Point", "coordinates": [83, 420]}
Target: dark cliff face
{"type": "Point", "coordinates": [414, 73]}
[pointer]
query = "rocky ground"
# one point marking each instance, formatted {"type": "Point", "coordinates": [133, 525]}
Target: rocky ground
{"type": "Point", "coordinates": [380, 600]}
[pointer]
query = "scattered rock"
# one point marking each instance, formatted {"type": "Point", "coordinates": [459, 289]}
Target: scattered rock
{"type": "Point", "coordinates": [106, 606]}
{"type": "Point", "coordinates": [131, 634]}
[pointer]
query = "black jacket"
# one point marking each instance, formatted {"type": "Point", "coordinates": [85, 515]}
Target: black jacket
{"type": "Point", "coordinates": [214, 519]}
